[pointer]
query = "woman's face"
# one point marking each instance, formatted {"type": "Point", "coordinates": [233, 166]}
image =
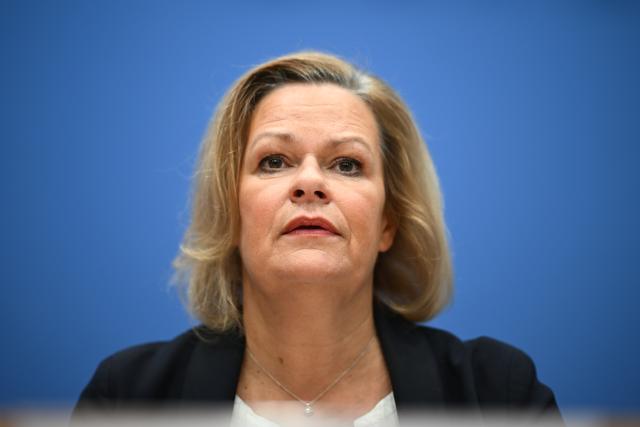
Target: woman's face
{"type": "Point", "coordinates": [312, 188]}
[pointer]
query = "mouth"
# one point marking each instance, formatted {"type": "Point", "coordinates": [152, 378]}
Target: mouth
{"type": "Point", "coordinates": [310, 227]}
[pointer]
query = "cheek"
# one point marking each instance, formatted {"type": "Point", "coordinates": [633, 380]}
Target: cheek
{"type": "Point", "coordinates": [366, 210]}
{"type": "Point", "coordinates": [258, 206]}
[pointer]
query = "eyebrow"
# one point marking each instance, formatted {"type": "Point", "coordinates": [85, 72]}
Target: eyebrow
{"type": "Point", "coordinates": [290, 138]}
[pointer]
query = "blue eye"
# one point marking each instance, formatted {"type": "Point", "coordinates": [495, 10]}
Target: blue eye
{"type": "Point", "coordinates": [348, 166]}
{"type": "Point", "coordinates": [272, 163]}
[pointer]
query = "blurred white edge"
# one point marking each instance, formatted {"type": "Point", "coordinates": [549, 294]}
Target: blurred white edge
{"type": "Point", "coordinates": [212, 418]}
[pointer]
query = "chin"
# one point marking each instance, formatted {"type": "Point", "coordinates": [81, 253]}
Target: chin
{"type": "Point", "coordinates": [313, 266]}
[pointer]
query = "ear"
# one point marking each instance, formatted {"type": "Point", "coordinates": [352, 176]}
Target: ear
{"type": "Point", "coordinates": [388, 234]}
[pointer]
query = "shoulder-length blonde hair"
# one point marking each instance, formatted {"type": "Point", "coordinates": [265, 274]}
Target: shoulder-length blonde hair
{"type": "Point", "coordinates": [413, 277]}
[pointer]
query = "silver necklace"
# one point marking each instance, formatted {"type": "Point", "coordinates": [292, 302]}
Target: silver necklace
{"type": "Point", "coordinates": [308, 404]}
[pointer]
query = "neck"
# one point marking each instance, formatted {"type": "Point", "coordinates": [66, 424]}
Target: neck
{"type": "Point", "coordinates": [306, 337]}
{"type": "Point", "coordinates": [307, 317]}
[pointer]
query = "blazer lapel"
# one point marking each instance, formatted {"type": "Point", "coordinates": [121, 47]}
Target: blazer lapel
{"type": "Point", "coordinates": [214, 369]}
{"type": "Point", "coordinates": [410, 360]}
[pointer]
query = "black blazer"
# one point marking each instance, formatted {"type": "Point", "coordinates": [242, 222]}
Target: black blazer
{"type": "Point", "coordinates": [429, 369]}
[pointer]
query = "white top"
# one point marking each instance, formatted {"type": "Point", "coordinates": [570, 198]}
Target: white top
{"type": "Point", "coordinates": [384, 414]}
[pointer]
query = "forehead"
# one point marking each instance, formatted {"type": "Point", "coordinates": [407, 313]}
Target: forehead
{"type": "Point", "coordinates": [323, 109]}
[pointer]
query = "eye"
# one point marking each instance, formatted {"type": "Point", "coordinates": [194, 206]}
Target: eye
{"type": "Point", "coordinates": [348, 166]}
{"type": "Point", "coordinates": [272, 163]}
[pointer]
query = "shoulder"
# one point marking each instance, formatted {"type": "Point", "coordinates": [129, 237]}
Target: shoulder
{"type": "Point", "coordinates": [151, 372]}
{"type": "Point", "coordinates": [134, 373]}
{"type": "Point", "coordinates": [432, 366]}
{"type": "Point", "coordinates": [488, 358]}
{"type": "Point", "coordinates": [498, 374]}
{"type": "Point", "coordinates": [502, 372]}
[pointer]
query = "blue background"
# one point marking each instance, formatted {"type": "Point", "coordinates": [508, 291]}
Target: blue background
{"type": "Point", "coordinates": [531, 112]}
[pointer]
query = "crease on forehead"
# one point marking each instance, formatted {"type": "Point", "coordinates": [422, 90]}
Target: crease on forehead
{"type": "Point", "coordinates": [274, 112]}
{"type": "Point", "coordinates": [347, 123]}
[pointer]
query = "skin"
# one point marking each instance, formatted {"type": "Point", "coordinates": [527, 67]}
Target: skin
{"type": "Point", "coordinates": [313, 152]}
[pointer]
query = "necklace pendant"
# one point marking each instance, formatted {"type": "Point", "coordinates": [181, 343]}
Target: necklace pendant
{"type": "Point", "coordinates": [308, 409]}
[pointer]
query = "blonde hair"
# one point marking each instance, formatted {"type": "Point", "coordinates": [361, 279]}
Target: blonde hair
{"type": "Point", "coordinates": [413, 277]}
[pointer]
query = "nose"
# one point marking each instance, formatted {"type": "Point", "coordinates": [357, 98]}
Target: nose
{"type": "Point", "coordinates": [309, 184]}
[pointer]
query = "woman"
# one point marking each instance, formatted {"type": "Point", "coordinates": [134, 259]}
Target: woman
{"type": "Point", "coordinates": [317, 239]}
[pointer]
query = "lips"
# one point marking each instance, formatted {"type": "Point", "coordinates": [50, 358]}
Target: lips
{"type": "Point", "coordinates": [310, 226]}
